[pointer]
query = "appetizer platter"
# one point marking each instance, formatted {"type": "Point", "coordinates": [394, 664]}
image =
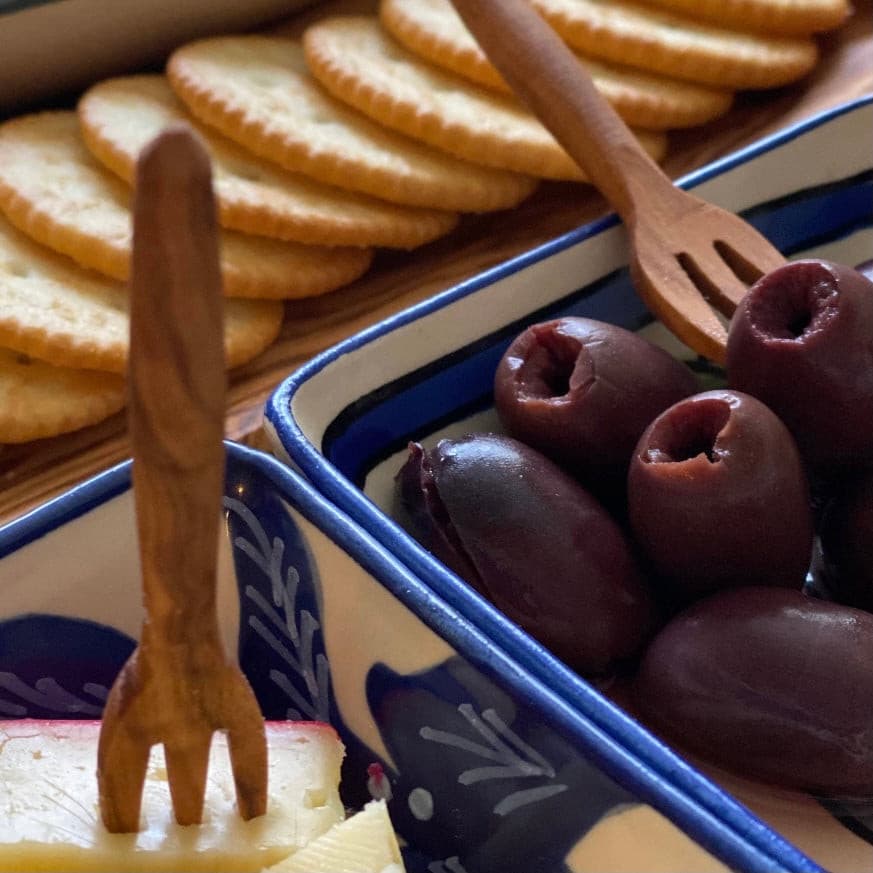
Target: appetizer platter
{"type": "Point", "coordinates": [38, 468]}
{"type": "Point", "coordinates": [221, 646]}
{"type": "Point", "coordinates": [536, 529]}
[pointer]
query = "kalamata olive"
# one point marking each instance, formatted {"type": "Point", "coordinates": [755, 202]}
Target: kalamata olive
{"type": "Point", "coordinates": [770, 683]}
{"type": "Point", "coordinates": [529, 538]}
{"type": "Point", "coordinates": [847, 541]}
{"type": "Point", "coordinates": [582, 391]}
{"type": "Point", "coordinates": [717, 496]}
{"type": "Point", "coordinates": [801, 341]}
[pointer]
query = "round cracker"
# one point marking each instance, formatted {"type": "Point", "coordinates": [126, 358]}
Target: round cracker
{"type": "Point", "coordinates": [120, 116]}
{"type": "Point", "coordinates": [55, 311]}
{"type": "Point", "coordinates": [434, 31]}
{"type": "Point", "coordinates": [669, 44]}
{"type": "Point", "coordinates": [359, 63]}
{"type": "Point", "coordinates": [57, 193]}
{"type": "Point", "coordinates": [776, 17]}
{"type": "Point", "coordinates": [258, 92]}
{"type": "Point", "coordinates": [250, 327]}
{"type": "Point", "coordinates": [39, 400]}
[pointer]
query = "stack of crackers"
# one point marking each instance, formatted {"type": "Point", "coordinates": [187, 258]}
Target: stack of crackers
{"type": "Point", "coordinates": [356, 132]}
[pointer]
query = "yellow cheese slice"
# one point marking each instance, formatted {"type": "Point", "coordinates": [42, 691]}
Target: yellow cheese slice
{"type": "Point", "coordinates": [50, 819]}
{"type": "Point", "coordinates": [364, 843]}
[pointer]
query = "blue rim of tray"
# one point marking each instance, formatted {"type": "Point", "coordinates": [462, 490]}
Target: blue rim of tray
{"type": "Point", "coordinates": [337, 488]}
{"type": "Point", "coordinates": [726, 829]}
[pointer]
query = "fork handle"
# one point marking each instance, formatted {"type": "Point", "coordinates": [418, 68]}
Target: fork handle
{"type": "Point", "coordinates": [546, 74]}
{"type": "Point", "coordinates": [177, 386]}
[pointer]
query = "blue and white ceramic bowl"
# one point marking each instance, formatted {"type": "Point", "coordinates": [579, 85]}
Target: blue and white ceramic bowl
{"type": "Point", "coordinates": [345, 418]}
{"type": "Point", "coordinates": [487, 768]}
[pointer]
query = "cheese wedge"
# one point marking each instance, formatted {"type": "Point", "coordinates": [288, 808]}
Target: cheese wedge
{"type": "Point", "coordinates": [364, 843]}
{"type": "Point", "coordinates": [50, 819]}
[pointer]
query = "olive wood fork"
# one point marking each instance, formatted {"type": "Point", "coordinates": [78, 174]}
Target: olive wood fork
{"type": "Point", "coordinates": [178, 687]}
{"type": "Point", "coordinates": [688, 257]}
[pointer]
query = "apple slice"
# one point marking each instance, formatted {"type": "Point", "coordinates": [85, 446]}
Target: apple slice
{"type": "Point", "coordinates": [364, 843]}
{"type": "Point", "coordinates": [50, 820]}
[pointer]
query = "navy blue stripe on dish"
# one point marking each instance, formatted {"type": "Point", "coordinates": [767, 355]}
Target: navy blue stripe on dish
{"type": "Point", "coordinates": [380, 423]}
{"type": "Point", "coordinates": [797, 221]}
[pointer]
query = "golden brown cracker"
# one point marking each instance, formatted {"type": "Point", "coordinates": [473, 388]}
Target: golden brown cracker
{"type": "Point", "coordinates": [39, 400]}
{"type": "Point", "coordinates": [119, 116]}
{"type": "Point", "coordinates": [57, 193]}
{"type": "Point", "coordinates": [53, 310]}
{"type": "Point", "coordinates": [250, 326]}
{"type": "Point", "coordinates": [433, 30]}
{"type": "Point", "coordinates": [653, 39]}
{"type": "Point", "coordinates": [257, 91]}
{"type": "Point", "coordinates": [778, 17]}
{"type": "Point", "coordinates": [358, 62]}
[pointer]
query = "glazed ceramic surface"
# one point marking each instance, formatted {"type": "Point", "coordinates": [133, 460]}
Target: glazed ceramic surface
{"type": "Point", "coordinates": [345, 419]}
{"type": "Point", "coordinates": [484, 768]}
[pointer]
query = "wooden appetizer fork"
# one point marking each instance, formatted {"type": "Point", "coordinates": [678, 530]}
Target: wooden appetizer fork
{"type": "Point", "coordinates": [688, 257]}
{"type": "Point", "coordinates": [178, 687]}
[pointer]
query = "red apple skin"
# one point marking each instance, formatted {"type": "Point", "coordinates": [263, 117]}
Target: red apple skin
{"type": "Point", "coordinates": [718, 496]}
{"type": "Point", "coordinates": [769, 683]}
{"type": "Point", "coordinates": [532, 540]}
{"type": "Point", "coordinates": [801, 341]}
{"type": "Point", "coordinates": [582, 391]}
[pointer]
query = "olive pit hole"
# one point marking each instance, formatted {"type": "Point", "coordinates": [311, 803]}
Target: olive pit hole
{"type": "Point", "coordinates": [549, 367]}
{"type": "Point", "coordinates": [799, 323]}
{"type": "Point", "coordinates": [791, 304]}
{"type": "Point", "coordinates": [687, 431]}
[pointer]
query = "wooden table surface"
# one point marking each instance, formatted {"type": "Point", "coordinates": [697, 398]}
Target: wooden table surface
{"type": "Point", "coordinates": [35, 472]}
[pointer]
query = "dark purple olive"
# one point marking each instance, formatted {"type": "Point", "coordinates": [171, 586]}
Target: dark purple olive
{"type": "Point", "coordinates": [801, 341]}
{"type": "Point", "coordinates": [769, 683]}
{"type": "Point", "coordinates": [847, 541]}
{"type": "Point", "coordinates": [582, 391]}
{"type": "Point", "coordinates": [717, 496]}
{"type": "Point", "coordinates": [536, 544]}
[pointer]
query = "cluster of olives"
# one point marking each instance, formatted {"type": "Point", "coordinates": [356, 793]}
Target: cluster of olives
{"type": "Point", "coordinates": [631, 523]}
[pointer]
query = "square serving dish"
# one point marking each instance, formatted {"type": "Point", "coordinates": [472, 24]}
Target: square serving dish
{"type": "Point", "coordinates": [487, 769]}
{"type": "Point", "coordinates": [345, 418]}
